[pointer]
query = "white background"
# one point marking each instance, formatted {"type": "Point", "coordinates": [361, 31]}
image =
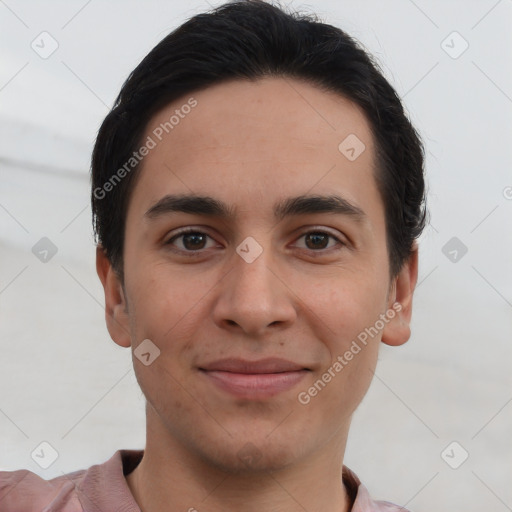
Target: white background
{"type": "Point", "coordinates": [62, 380]}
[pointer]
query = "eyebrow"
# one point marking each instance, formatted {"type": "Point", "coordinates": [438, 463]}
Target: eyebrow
{"type": "Point", "coordinates": [292, 206]}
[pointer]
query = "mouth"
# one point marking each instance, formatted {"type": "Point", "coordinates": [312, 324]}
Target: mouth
{"type": "Point", "coordinates": [254, 379]}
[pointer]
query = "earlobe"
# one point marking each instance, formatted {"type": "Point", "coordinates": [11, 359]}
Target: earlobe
{"type": "Point", "coordinates": [116, 311]}
{"type": "Point", "coordinates": [397, 331]}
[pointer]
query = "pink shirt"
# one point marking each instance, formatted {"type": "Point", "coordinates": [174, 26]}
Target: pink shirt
{"type": "Point", "coordinates": [103, 488]}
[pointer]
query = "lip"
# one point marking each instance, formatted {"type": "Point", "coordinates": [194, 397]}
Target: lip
{"type": "Point", "coordinates": [268, 365]}
{"type": "Point", "coordinates": [254, 379]}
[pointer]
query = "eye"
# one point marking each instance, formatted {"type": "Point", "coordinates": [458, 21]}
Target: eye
{"type": "Point", "coordinates": [192, 240]}
{"type": "Point", "coordinates": [195, 241]}
{"type": "Point", "coordinates": [319, 240]}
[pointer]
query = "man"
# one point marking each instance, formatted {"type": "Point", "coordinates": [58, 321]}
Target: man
{"type": "Point", "coordinates": [257, 193]}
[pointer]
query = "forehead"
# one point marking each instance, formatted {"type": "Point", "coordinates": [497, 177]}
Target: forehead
{"type": "Point", "coordinates": [249, 142]}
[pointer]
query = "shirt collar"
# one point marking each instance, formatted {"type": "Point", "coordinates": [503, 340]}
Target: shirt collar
{"type": "Point", "coordinates": [105, 485]}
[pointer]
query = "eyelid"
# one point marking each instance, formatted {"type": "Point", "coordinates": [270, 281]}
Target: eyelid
{"type": "Point", "coordinates": [341, 240]}
{"type": "Point", "coordinates": [187, 230]}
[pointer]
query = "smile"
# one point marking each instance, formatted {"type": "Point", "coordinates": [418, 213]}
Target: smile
{"type": "Point", "coordinates": [254, 379]}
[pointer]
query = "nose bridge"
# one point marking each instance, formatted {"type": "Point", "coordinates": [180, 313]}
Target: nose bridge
{"type": "Point", "coordinates": [251, 295]}
{"type": "Point", "coordinates": [252, 263]}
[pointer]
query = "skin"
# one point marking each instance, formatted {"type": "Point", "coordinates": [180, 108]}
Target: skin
{"type": "Point", "coordinates": [250, 145]}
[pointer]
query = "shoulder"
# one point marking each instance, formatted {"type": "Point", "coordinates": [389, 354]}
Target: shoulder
{"type": "Point", "coordinates": [98, 487]}
{"type": "Point", "coordinates": [24, 490]}
{"type": "Point", "coordinates": [362, 501]}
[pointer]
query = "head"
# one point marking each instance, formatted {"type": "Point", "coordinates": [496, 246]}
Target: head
{"type": "Point", "coordinates": [275, 141]}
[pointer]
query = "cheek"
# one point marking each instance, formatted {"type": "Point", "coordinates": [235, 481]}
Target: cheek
{"type": "Point", "coordinates": [347, 304]}
{"type": "Point", "coordinates": [165, 303]}
{"type": "Point", "coordinates": [350, 306]}
{"type": "Point", "coordinates": [349, 387]}
{"type": "Point", "coordinates": [165, 311]}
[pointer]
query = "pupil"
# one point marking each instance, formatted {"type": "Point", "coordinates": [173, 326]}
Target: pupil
{"type": "Point", "coordinates": [316, 237]}
{"type": "Point", "coordinates": [193, 236]}
{"type": "Point", "coordinates": [198, 239]}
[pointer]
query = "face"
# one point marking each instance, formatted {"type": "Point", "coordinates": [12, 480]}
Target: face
{"type": "Point", "coordinates": [252, 307]}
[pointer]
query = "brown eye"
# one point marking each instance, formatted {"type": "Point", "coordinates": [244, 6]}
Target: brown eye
{"type": "Point", "coordinates": [194, 241]}
{"type": "Point", "coordinates": [191, 241]}
{"type": "Point", "coordinates": [319, 240]}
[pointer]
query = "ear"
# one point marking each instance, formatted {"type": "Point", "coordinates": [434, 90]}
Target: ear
{"type": "Point", "coordinates": [116, 310]}
{"type": "Point", "coordinates": [397, 331]}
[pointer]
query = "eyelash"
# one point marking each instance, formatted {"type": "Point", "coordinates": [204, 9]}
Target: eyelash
{"type": "Point", "coordinates": [189, 253]}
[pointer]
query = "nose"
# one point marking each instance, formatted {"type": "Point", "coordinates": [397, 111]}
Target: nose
{"type": "Point", "coordinates": [254, 297]}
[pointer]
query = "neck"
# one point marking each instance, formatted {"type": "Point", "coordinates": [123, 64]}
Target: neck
{"type": "Point", "coordinates": [172, 477]}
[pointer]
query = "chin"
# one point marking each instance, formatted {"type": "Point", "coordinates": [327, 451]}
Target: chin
{"type": "Point", "coordinates": [249, 457]}
{"type": "Point", "coordinates": [233, 464]}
